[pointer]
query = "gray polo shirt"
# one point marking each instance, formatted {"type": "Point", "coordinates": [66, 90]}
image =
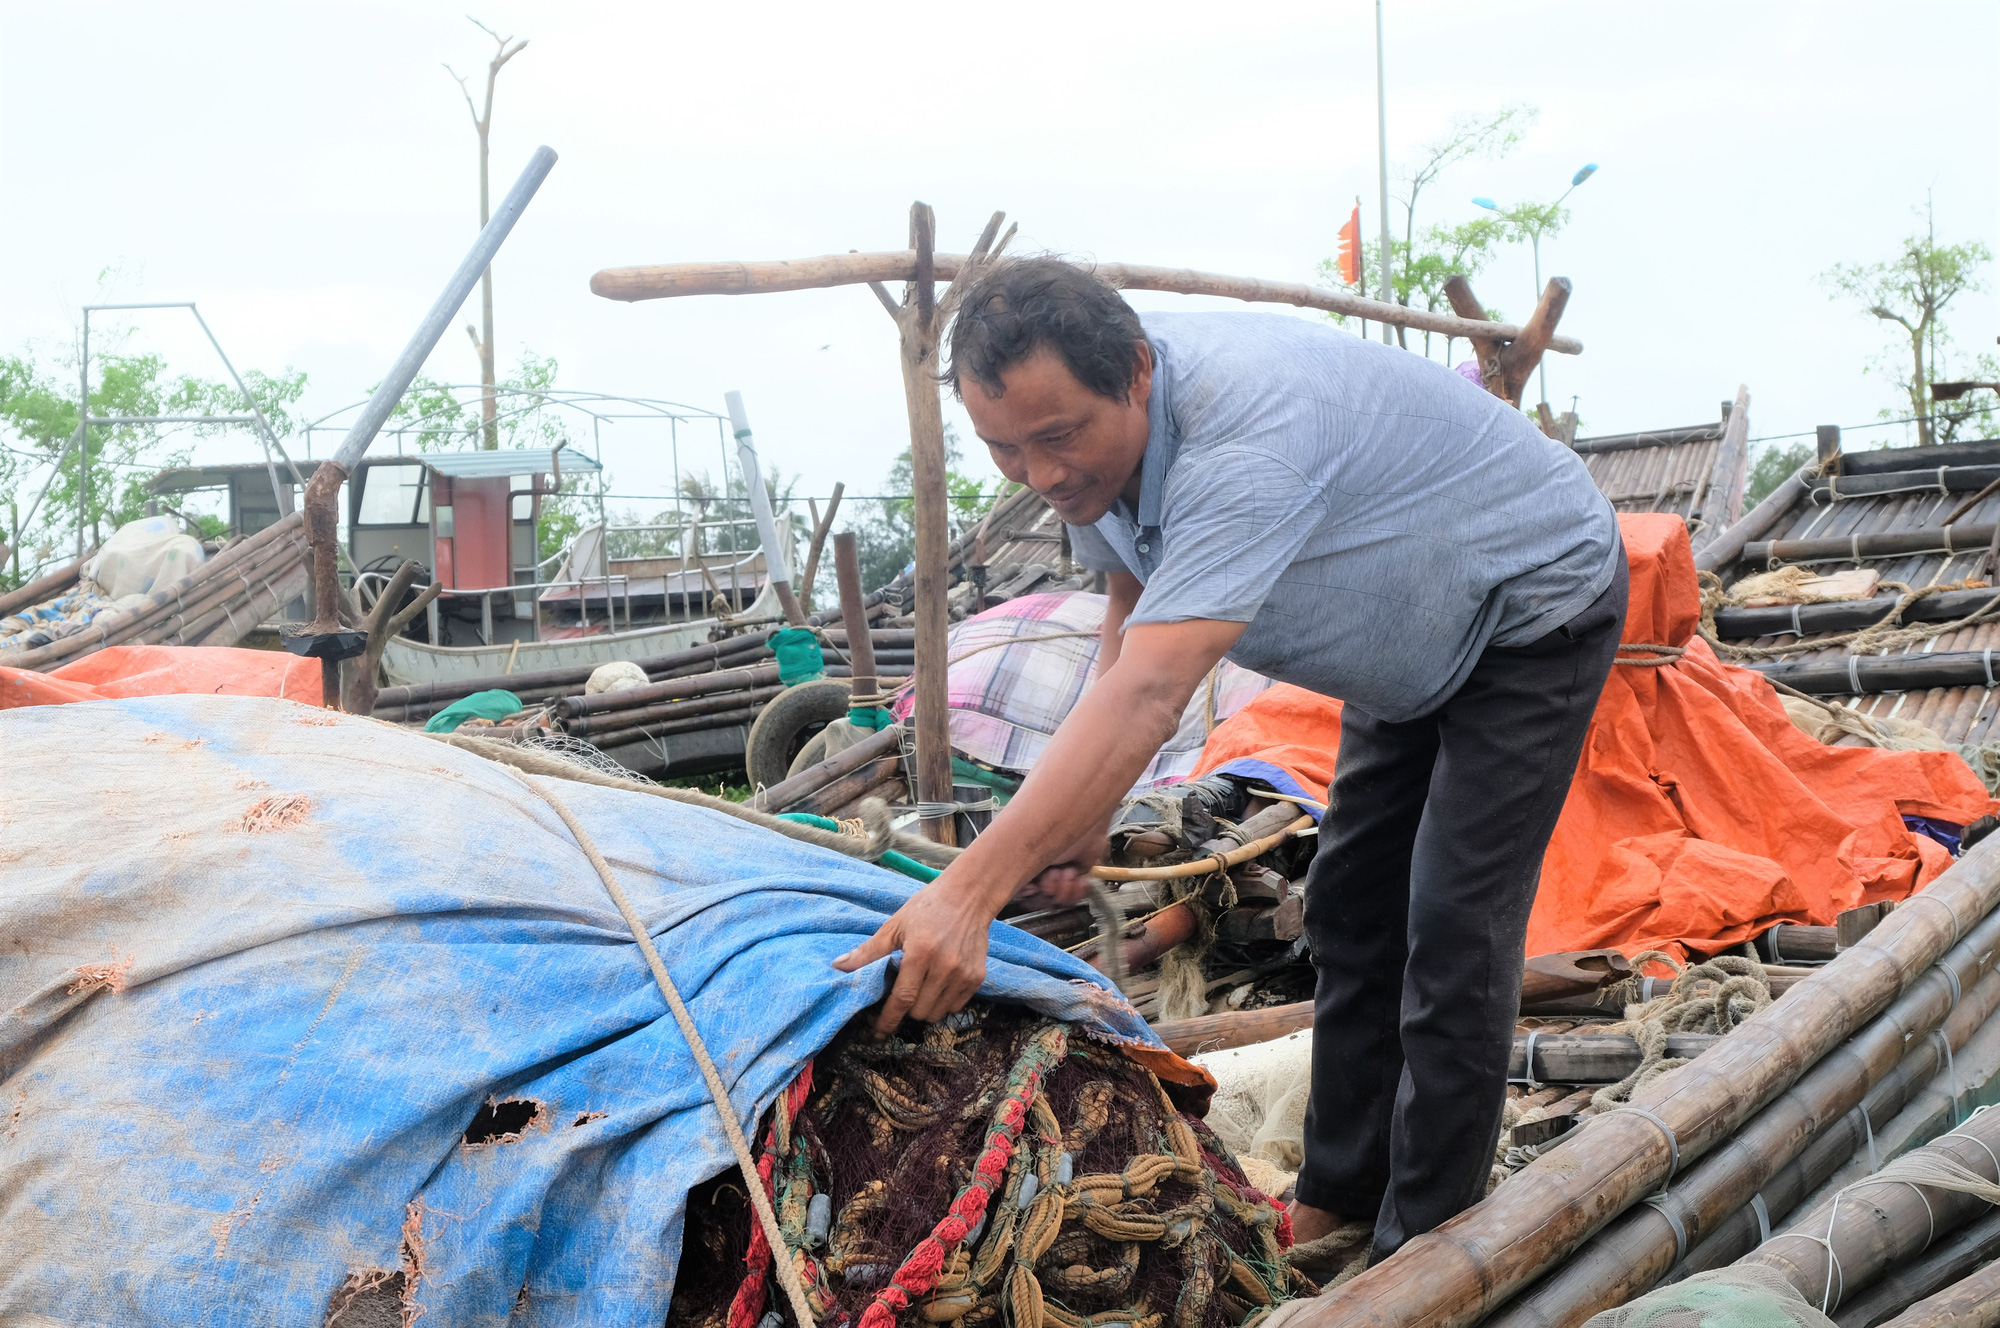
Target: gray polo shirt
{"type": "Point", "coordinates": [1375, 518]}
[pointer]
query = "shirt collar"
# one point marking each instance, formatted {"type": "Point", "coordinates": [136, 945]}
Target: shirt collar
{"type": "Point", "coordinates": [1161, 444]}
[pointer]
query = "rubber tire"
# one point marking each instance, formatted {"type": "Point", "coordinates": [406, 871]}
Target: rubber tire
{"type": "Point", "coordinates": [809, 755]}
{"type": "Point", "coordinates": [786, 724]}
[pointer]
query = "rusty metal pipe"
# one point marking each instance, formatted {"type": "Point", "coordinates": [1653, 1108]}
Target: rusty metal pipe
{"type": "Point", "coordinates": [323, 637]}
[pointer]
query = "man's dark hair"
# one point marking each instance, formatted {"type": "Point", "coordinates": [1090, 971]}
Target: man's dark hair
{"type": "Point", "coordinates": [1026, 304]}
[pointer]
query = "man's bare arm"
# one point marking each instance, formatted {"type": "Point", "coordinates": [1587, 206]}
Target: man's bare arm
{"type": "Point", "coordinates": [1124, 596]}
{"type": "Point", "coordinates": [1066, 802]}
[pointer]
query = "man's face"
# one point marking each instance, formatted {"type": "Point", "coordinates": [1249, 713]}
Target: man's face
{"type": "Point", "coordinates": [1046, 430]}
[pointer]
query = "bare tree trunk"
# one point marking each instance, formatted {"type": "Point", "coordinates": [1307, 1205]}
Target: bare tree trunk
{"type": "Point", "coordinates": [1919, 397]}
{"type": "Point", "coordinates": [489, 408]}
{"type": "Point", "coordinates": [505, 49]}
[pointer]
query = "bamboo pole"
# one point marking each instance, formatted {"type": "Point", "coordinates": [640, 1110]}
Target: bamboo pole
{"type": "Point", "coordinates": [1636, 1251]}
{"type": "Point", "coordinates": [1881, 673]}
{"type": "Point", "coordinates": [158, 621]}
{"type": "Point", "coordinates": [1460, 1272]}
{"type": "Point", "coordinates": [861, 646]}
{"type": "Point", "coordinates": [157, 603]}
{"type": "Point", "coordinates": [677, 689]}
{"type": "Point", "coordinates": [1876, 1225]}
{"type": "Point", "coordinates": [891, 788]}
{"type": "Point", "coordinates": [229, 621]}
{"type": "Point", "coordinates": [1794, 1183]}
{"type": "Point", "coordinates": [788, 791]}
{"type": "Point", "coordinates": [218, 596]}
{"type": "Point", "coordinates": [1937, 1104]}
{"type": "Point", "coordinates": [740, 717]}
{"type": "Point", "coordinates": [660, 668]}
{"type": "Point", "coordinates": [1939, 1270]}
{"type": "Point", "coordinates": [595, 727]}
{"type": "Point", "coordinates": [1729, 545]}
{"type": "Point", "coordinates": [1845, 615]}
{"type": "Point", "coordinates": [850, 787]}
{"type": "Point", "coordinates": [1972, 1303]}
{"type": "Point", "coordinates": [1724, 489]}
{"type": "Point", "coordinates": [1960, 538]}
{"type": "Point", "coordinates": [42, 587]}
{"type": "Point", "coordinates": [678, 279]}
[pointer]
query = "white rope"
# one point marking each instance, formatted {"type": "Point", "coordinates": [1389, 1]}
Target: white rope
{"type": "Point", "coordinates": [1854, 674]}
{"type": "Point", "coordinates": [1916, 1170]}
{"type": "Point", "coordinates": [718, 1093]}
{"type": "Point", "coordinates": [1763, 1212]}
{"type": "Point", "coordinates": [1954, 1134]}
{"type": "Point", "coordinates": [1951, 1075]}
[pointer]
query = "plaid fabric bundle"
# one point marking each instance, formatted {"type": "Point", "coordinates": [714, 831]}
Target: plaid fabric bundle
{"type": "Point", "coordinates": [1019, 667]}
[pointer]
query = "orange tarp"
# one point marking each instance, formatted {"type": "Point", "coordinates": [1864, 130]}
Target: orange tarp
{"type": "Point", "coordinates": [121, 671]}
{"type": "Point", "coordinates": [1699, 815]}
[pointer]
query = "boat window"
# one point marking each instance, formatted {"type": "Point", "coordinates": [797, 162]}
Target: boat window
{"type": "Point", "coordinates": [524, 503]}
{"type": "Point", "coordinates": [395, 496]}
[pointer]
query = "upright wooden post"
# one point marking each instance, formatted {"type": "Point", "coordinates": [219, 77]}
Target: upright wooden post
{"type": "Point", "coordinates": [919, 327]}
{"type": "Point", "coordinates": [1828, 438]}
{"type": "Point", "coordinates": [1487, 351]}
{"type": "Point", "coordinates": [920, 320]}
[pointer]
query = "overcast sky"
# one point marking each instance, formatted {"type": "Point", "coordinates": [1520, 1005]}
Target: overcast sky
{"type": "Point", "coordinates": [307, 173]}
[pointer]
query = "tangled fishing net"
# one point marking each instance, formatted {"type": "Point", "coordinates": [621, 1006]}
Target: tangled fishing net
{"type": "Point", "coordinates": [999, 1169]}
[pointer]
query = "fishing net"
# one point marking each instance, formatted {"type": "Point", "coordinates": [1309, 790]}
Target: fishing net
{"type": "Point", "coordinates": [1744, 1296]}
{"type": "Point", "coordinates": [998, 1169]}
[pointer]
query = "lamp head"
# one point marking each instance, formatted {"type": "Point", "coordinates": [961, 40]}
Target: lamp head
{"type": "Point", "coordinates": [1486, 203]}
{"type": "Point", "coordinates": [1589, 169]}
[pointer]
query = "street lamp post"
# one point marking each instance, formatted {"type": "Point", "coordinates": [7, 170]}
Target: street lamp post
{"type": "Point", "coordinates": [1534, 224]}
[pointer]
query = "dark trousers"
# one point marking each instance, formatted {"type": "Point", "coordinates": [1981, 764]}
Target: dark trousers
{"type": "Point", "coordinates": [1417, 913]}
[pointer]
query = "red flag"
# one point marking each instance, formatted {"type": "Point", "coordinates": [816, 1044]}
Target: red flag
{"type": "Point", "coordinates": [1350, 248]}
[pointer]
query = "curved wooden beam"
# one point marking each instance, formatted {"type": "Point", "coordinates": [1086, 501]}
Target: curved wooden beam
{"type": "Point", "coordinates": [677, 279]}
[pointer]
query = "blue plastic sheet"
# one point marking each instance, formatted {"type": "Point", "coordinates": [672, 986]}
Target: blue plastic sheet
{"type": "Point", "coordinates": [261, 965]}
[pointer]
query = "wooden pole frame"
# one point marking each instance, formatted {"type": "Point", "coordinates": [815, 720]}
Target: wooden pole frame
{"type": "Point", "coordinates": [1508, 354]}
{"type": "Point", "coordinates": [631, 284]}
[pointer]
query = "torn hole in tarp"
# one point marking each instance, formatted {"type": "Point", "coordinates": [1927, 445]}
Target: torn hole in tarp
{"type": "Point", "coordinates": [505, 1122]}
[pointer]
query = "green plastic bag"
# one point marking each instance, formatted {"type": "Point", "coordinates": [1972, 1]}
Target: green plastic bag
{"type": "Point", "coordinates": [495, 705]}
{"type": "Point", "coordinates": [799, 659]}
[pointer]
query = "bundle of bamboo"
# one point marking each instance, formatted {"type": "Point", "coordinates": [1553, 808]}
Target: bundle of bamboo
{"type": "Point", "coordinates": [717, 689]}
{"type": "Point", "coordinates": [217, 604]}
{"type": "Point", "coordinates": [1837, 1068]}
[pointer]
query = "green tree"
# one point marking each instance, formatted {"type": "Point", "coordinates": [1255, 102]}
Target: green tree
{"type": "Point", "coordinates": [886, 538]}
{"type": "Point", "coordinates": [1913, 290]}
{"type": "Point", "coordinates": [1773, 466]}
{"type": "Point", "coordinates": [1423, 260]}
{"type": "Point", "coordinates": [103, 483]}
{"type": "Point", "coordinates": [1440, 253]}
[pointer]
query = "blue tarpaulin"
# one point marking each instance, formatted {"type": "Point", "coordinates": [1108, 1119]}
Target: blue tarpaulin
{"type": "Point", "coordinates": [261, 965]}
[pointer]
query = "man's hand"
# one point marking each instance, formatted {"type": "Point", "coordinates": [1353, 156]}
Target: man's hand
{"type": "Point", "coordinates": [1060, 816]}
{"type": "Point", "coordinates": [1067, 881]}
{"type": "Point", "coordinates": [942, 934]}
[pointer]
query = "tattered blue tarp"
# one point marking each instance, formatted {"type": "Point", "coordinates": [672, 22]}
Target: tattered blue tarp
{"type": "Point", "coordinates": [261, 965]}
